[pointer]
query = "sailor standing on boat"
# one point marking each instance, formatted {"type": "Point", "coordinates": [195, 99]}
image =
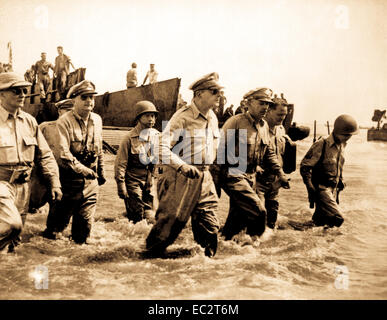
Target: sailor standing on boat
{"type": "Point", "coordinates": [151, 75]}
{"type": "Point", "coordinates": [62, 69]}
{"type": "Point", "coordinates": [22, 144]}
{"type": "Point", "coordinates": [80, 160]}
{"type": "Point", "coordinates": [134, 164]}
{"type": "Point", "coordinates": [42, 68]}
{"type": "Point", "coordinates": [185, 185]}
{"type": "Point", "coordinates": [322, 172]}
{"type": "Point", "coordinates": [131, 77]}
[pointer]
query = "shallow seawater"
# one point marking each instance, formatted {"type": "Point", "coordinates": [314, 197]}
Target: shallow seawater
{"type": "Point", "coordinates": [282, 264]}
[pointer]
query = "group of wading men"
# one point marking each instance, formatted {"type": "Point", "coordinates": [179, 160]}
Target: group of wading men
{"type": "Point", "coordinates": [192, 160]}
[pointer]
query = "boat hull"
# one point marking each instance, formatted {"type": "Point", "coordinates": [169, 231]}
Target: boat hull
{"type": "Point", "coordinates": [117, 108]}
{"type": "Point", "coordinates": [376, 135]}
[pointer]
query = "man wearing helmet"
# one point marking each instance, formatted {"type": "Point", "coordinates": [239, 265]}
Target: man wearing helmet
{"type": "Point", "coordinates": [322, 169]}
{"type": "Point", "coordinates": [133, 167]}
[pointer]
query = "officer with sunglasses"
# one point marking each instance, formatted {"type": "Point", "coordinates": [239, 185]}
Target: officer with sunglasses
{"type": "Point", "coordinates": [39, 191]}
{"type": "Point", "coordinates": [80, 159]}
{"type": "Point", "coordinates": [185, 185]}
{"type": "Point", "coordinates": [243, 159]}
{"type": "Point", "coordinates": [22, 145]}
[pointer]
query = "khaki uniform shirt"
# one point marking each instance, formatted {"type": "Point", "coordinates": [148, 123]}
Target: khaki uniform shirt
{"type": "Point", "coordinates": [131, 78]}
{"type": "Point", "coordinates": [192, 136]}
{"type": "Point", "coordinates": [62, 62]}
{"type": "Point", "coordinates": [22, 143]}
{"type": "Point", "coordinates": [74, 135]}
{"type": "Point", "coordinates": [134, 154]}
{"type": "Point", "coordinates": [252, 135]}
{"type": "Point", "coordinates": [42, 68]}
{"type": "Point", "coordinates": [332, 161]}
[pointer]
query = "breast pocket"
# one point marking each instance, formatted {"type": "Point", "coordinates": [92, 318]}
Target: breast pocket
{"type": "Point", "coordinates": [330, 165]}
{"type": "Point", "coordinates": [30, 144]}
{"type": "Point", "coordinates": [251, 149]}
{"type": "Point", "coordinates": [76, 145]}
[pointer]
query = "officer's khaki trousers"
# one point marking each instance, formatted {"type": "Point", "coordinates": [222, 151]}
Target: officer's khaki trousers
{"type": "Point", "coordinates": [179, 199]}
{"type": "Point", "coordinates": [14, 199]}
{"type": "Point", "coordinates": [79, 201]}
{"type": "Point", "coordinates": [246, 209]}
{"type": "Point", "coordinates": [327, 210]}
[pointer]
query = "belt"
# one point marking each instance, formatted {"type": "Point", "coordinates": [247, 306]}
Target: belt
{"type": "Point", "coordinates": [15, 174]}
{"type": "Point", "coordinates": [251, 168]}
{"type": "Point", "coordinates": [202, 167]}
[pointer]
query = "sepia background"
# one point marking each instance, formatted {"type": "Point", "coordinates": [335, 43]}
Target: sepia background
{"type": "Point", "coordinates": [327, 57]}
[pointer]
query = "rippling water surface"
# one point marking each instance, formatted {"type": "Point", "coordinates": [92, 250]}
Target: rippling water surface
{"type": "Point", "coordinates": [284, 264]}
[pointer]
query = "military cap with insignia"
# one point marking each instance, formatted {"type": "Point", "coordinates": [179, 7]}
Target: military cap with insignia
{"type": "Point", "coordinates": [83, 87]}
{"type": "Point", "coordinates": [262, 94]}
{"type": "Point", "coordinates": [209, 81]}
{"type": "Point", "coordinates": [12, 80]}
{"type": "Point", "coordinates": [279, 101]}
{"type": "Point", "coordinates": [65, 104]}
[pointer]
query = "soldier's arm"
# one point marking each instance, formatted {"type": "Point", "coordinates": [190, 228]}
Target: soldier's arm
{"type": "Point", "coordinates": [120, 166]}
{"type": "Point", "coordinates": [48, 165]}
{"type": "Point", "coordinates": [168, 139]}
{"type": "Point", "coordinates": [45, 159]}
{"type": "Point", "coordinates": [309, 161]}
{"type": "Point", "coordinates": [100, 159]}
{"type": "Point", "coordinates": [71, 64]}
{"type": "Point", "coordinates": [271, 159]}
{"type": "Point", "coordinates": [146, 77]}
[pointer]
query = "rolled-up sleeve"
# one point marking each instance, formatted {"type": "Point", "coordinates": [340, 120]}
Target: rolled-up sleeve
{"type": "Point", "coordinates": [121, 162]}
{"type": "Point", "coordinates": [46, 160]}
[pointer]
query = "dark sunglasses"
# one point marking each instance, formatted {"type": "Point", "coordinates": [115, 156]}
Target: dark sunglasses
{"type": "Point", "coordinates": [262, 103]}
{"type": "Point", "coordinates": [214, 91]}
{"type": "Point", "coordinates": [84, 97]}
{"type": "Point", "coordinates": [18, 91]}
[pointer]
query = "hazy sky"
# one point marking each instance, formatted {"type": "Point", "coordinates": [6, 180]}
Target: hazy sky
{"type": "Point", "coordinates": [327, 57]}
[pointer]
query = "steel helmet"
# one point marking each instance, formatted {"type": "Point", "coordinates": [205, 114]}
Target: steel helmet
{"type": "Point", "coordinates": [144, 106]}
{"type": "Point", "coordinates": [345, 124]}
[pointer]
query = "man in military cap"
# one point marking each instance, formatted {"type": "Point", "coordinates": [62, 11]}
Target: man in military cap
{"type": "Point", "coordinates": [39, 194]}
{"type": "Point", "coordinates": [80, 159]}
{"type": "Point", "coordinates": [185, 185]}
{"type": "Point", "coordinates": [322, 172]}
{"type": "Point", "coordinates": [22, 145]}
{"type": "Point", "coordinates": [134, 165]}
{"type": "Point", "coordinates": [251, 134]}
{"type": "Point", "coordinates": [42, 68]}
{"type": "Point", "coordinates": [131, 77]}
{"type": "Point", "coordinates": [267, 184]}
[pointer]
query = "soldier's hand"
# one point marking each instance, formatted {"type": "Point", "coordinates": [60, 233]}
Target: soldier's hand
{"type": "Point", "coordinates": [284, 180]}
{"type": "Point", "coordinates": [261, 207]}
{"type": "Point", "coordinates": [56, 194]}
{"type": "Point", "coordinates": [189, 171]}
{"type": "Point", "coordinates": [259, 170]}
{"type": "Point", "coordinates": [123, 194]}
{"type": "Point", "coordinates": [341, 185]}
{"type": "Point", "coordinates": [311, 196]}
{"type": "Point", "coordinates": [101, 180]}
{"type": "Point", "coordinates": [90, 174]}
